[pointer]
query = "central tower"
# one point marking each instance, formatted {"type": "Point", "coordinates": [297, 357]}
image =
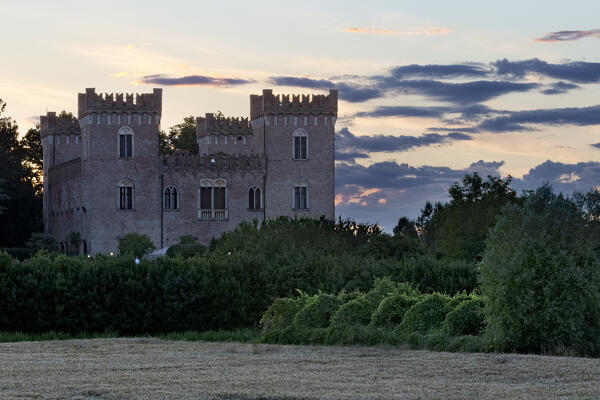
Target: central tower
{"type": "Point", "coordinates": [298, 140]}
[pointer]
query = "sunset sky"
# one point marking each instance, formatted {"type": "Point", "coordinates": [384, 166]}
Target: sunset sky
{"type": "Point", "coordinates": [429, 90]}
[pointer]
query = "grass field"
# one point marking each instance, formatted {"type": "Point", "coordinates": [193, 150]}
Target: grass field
{"type": "Point", "coordinates": [151, 368]}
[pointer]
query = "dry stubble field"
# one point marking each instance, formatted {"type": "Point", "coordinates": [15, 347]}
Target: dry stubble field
{"type": "Point", "coordinates": [158, 369]}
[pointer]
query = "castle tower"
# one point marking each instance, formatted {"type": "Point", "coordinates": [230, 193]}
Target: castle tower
{"type": "Point", "coordinates": [61, 143]}
{"type": "Point", "coordinates": [119, 165]}
{"type": "Point", "coordinates": [226, 135]}
{"type": "Point", "coordinates": [298, 135]}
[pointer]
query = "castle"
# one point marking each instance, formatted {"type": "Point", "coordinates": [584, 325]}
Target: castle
{"type": "Point", "coordinates": [104, 176]}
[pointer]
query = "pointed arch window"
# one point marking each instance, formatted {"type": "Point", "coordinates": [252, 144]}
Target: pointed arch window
{"type": "Point", "coordinates": [255, 198]}
{"type": "Point", "coordinates": [171, 198]}
{"type": "Point", "coordinates": [126, 194]}
{"type": "Point", "coordinates": [125, 142]}
{"type": "Point", "coordinates": [300, 150]}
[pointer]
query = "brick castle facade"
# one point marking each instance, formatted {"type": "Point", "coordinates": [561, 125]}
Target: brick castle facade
{"type": "Point", "coordinates": [104, 176]}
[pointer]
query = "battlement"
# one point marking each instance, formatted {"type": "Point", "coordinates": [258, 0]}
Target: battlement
{"type": "Point", "coordinates": [90, 101]}
{"type": "Point", "coordinates": [268, 103]}
{"type": "Point", "coordinates": [181, 160]}
{"type": "Point", "coordinates": [50, 124]}
{"type": "Point", "coordinates": [211, 125]}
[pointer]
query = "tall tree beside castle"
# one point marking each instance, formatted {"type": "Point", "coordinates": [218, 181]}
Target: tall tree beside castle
{"type": "Point", "coordinates": [20, 208]}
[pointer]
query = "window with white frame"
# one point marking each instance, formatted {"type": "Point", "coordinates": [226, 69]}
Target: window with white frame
{"type": "Point", "coordinates": [254, 198]}
{"type": "Point", "coordinates": [171, 198]}
{"type": "Point", "coordinates": [125, 142]}
{"type": "Point", "coordinates": [213, 199]}
{"type": "Point", "coordinates": [300, 195]}
{"type": "Point", "coordinates": [126, 194]}
{"type": "Point", "coordinates": [300, 151]}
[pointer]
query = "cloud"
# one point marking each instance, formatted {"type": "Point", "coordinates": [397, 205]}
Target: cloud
{"type": "Point", "coordinates": [575, 71]}
{"type": "Point", "coordinates": [560, 88]}
{"type": "Point", "coordinates": [439, 71]}
{"type": "Point", "coordinates": [346, 142]}
{"type": "Point", "coordinates": [192, 80]}
{"type": "Point", "coordinates": [567, 36]}
{"type": "Point", "coordinates": [386, 32]}
{"type": "Point", "coordinates": [347, 92]}
{"type": "Point", "coordinates": [405, 188]}
{"type": "Point", "coordinates": [596, 145]}
{"type": "Point", "coordinates": [523, 120]}
{"type": "Point", "coordinates": [458, 93]}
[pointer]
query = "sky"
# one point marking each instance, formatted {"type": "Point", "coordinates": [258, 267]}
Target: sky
{"type": "Point", "coordinates": [429, 91]}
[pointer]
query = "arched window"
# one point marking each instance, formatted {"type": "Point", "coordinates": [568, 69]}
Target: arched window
{"type": "Point", "coordinates": [254, 198]}
{"type": "Point", "coordinates": [125, 142]}
{"type": "Point", "coordinates": [126, 194]}
{"type": "Point", "coordinates": [171, 201]}
{"type": "Point", "coordinates": [300, 151]}
{"type": "Point", "coordinates": [300, 194]}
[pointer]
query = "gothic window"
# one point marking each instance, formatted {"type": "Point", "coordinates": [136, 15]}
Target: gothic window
{"type": "Point", "coordinates": [126, 194]}
{"type": "Point", "coordinates": [171, 198]}
{"type": "Point", "coordinates": [254, 198]}
{"type": "Point", "coordinates": [300, 144]}
{"type": "Point", "coordinates": [300, 196]}
{"type": "Point", "coordinates": [213, 199]}
{"type": "Point", "coordinates": [125, 142]}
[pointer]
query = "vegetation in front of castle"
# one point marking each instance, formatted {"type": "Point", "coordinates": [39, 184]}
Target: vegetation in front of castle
{"type": "Point", "coordinates": [489, 270]}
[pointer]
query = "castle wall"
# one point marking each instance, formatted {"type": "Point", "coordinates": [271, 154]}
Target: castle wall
{"type": "Point", "coordinates": [82, 191]}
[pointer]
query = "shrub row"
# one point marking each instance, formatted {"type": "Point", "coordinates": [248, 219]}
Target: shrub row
{"type": "Point", "coordinates": [388, 313]}
{"type": "Point", "coordinates": [215, 291]}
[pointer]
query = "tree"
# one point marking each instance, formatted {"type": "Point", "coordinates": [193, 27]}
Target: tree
{"type": "Point", "coordinates": [34, 156]}
{"type": "Point", "coordinates": [73, 241]}
{"type": "Point", "coordinates": [42, 241]}
{"type": "Point", "coordinates": [22, 213]}
{"type": "Point", "coordinates": [541, 277]}
{"type": "Point", "coordinates": [181, 136]}
{"type": "Point", "coordinates": [136, 244]}
{"type": "Point", "coordinates": [457, 229]}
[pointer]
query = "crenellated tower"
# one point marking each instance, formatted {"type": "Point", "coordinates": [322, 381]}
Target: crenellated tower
{"type": "Point", "coordinates": [225, 135]}
{"type": "Point", "coordinates": [298, 139]}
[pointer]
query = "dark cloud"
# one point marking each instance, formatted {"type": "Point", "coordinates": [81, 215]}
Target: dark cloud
{"type": "Point", "coordinates": [560, 88]}
{"type": "Point", "coordinates": [522, 120]}
{"type": "Point", "coordinates": [575, 71]}
{"type": "Point", "coordinates": [302, 82]}
{"type": "Point", "coordinates": [563, 36]}
{"type": "Point", "coordinates": [385, 191]}
{"type": "Point", "coordinates": [193, 80]}
{"type": "Point", "coordinates": [347, 92]}
{"type": "Point", "coordinates": [346, 141]}
{"type": "Point", "coordinates": [459, 93]}
{"type": "Point", "coordinates": [596, 145]}
{"type": "Point", "coordinates": [349, 155]}
{"type": "Point", "coordinates": [406, 111]}
{"type": "Point", "coordinates": [437, 71]}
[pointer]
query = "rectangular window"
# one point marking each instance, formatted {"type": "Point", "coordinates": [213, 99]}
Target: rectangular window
{"type": "Point", "coordinates": [300, 152]}
{"type": "Point", "coordinates": [300, 198]}
{"type": "Point", "coordinates": [219, 195]}
{"type": "Point", "coordinates": [125, 145]}
{"type": "Point", "coordinates": [125, 198]}
{"type": "Point", "coordinates": [206, 198]}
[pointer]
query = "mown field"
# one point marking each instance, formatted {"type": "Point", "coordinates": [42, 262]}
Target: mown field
{"type": "Point", "coordinates": [149, 368]}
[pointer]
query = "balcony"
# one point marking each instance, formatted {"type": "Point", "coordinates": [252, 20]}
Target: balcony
{"type": "Point", "coordinates": [212, 215]}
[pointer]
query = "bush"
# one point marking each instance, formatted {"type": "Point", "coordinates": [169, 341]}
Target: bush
{"type": "Point", "coordinates": [354, 312]}
{"type": "Point", "coordinates": [426, 315]}
{"type": "Point", "coordinates": [436, 341]}
{"type": "Point", "coordinates": [135, 244]}
{"type": "Point", "coordinates": [277, 321]}
{"type": "Point", "coordinates": [392, 309]}
{"type": "Point", "coordinates": [317, 312]}
{"type": "Point", "coordinates": [466, 319]}
{"type": "Point", "coordinates": [186, 248]}
{"type": "Point", "coordinates": [466, 344]}
{"type": "Point", "coordinates": [42, 241]}
{"type": "Point", "coordinates": [541, 278]}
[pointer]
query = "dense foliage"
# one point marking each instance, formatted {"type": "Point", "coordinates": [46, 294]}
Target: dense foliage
{"type": "Point", "coordinates": [541, 275]}
{"type": "Point", "coordinates": [135, 244]}
{"type": "Point", "coordinates": [387, 313]}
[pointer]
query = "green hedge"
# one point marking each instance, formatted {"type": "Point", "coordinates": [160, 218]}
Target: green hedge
{"type": "Point", "coordinates": [388, 313]}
